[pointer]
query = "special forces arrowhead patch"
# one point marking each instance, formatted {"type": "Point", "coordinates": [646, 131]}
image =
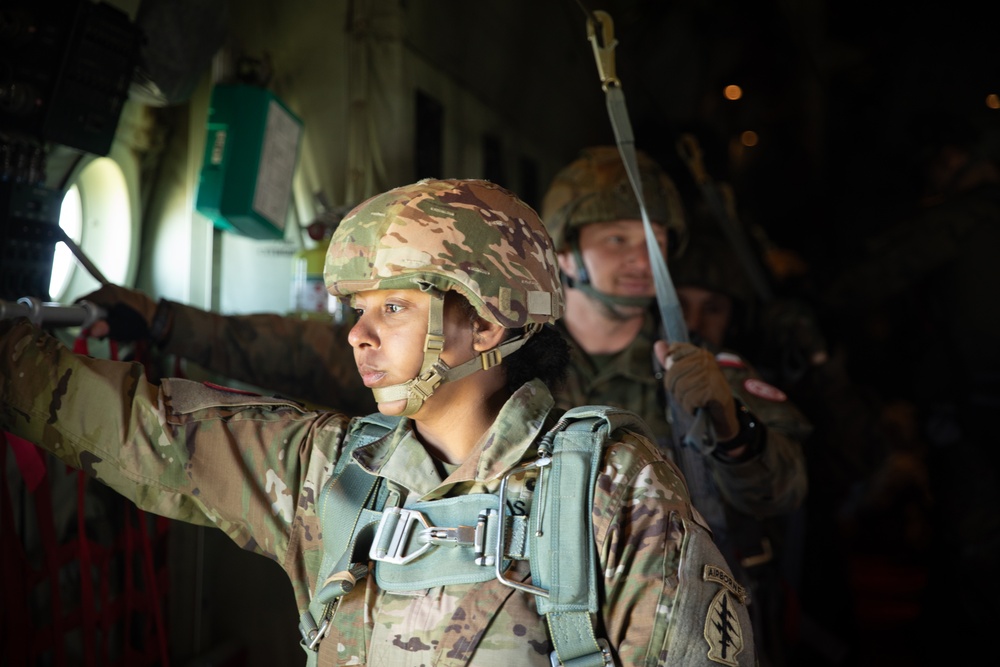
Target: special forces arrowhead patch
{"type": "Point", "coordinates": [722, 625]}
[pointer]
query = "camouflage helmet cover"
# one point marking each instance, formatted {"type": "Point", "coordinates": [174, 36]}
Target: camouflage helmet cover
{"type": "Point", "coordinates": [595, 188]}
{"type": "Point", "coordinates": [471, 236]}
{"type": "Point", "coordinates": [709, 262]}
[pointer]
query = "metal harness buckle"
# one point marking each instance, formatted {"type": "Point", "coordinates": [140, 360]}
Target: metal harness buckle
{"type": "Point", "coordinates": [397, 524]}
{"type": "Point", "coordinates": [605, 655]}
{"type": "Point", "coordinates": [393, 535]}
{"type": "Point", "coordinates": [540, 462]}
{"type": "Point", "coordinates": [319, 636]}
{"type": "Point", "coordinates": [479, 538]}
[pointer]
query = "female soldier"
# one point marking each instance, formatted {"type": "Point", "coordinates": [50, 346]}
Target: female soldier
{"type": "Point", "coordinates": [545, 538]}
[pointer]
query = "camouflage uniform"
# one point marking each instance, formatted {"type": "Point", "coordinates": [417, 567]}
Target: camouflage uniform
{"type": "Point", "coordinates": [309, 360]}
{"type": "Point", "coordinates": [664, 590]}
{"type": "Point", "coordinates": [769, 483]}
{"type": "Point", "coordinates": [739, 497]}
{"type": "Point", "coordinates": [173, 450]}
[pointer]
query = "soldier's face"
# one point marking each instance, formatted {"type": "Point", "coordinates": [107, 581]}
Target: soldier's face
{"type": "Point", "coordinates": [707, 314]}
{"type": "Point", "coordinates": [615, 257]}
{"type": "Point", "coordinates": [388, 337]}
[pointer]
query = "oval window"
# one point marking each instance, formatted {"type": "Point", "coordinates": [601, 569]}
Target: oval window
{"type": "Point", "coordinates": [63, 262]}
{"type": "Point", "coordinates": [101, 202]}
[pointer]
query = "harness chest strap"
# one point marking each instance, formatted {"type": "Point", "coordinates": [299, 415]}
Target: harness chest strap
{"type": "Point", "coordinates": [428, 543]}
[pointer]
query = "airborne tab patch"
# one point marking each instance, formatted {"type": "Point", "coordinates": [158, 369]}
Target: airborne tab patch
{"type": "Point", "coordinates": [720, 576]}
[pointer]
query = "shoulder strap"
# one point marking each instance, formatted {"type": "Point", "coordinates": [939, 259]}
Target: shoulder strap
{"type": "Point", "coordinates": [351, 487]}
{"type": "Point", "coordinates": [561, 524]}
{"type": "Point", "coordinates": [346, 543]}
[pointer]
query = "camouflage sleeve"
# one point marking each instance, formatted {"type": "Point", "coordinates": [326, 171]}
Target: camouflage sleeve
{"type": "Point", "coordinates": [305, 359]}
{"type": "Point", "coordinates": [243, 463]}
{"type": "Point", "coordinates": [774, 481]}
{"type": "Point", "coordinates": [669, 596]}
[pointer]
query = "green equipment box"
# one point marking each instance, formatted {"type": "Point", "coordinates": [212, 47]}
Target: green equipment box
{"type": "Point", "coordinates": [250, 155]}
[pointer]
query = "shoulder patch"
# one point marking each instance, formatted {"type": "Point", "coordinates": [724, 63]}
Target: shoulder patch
{"type": "Point", "coordinates": [729, 360]}
{"type": "Point", "coordinates": [711, 608]}
{"type": "Point", "coordinates": [761, 389]}
{"type": "Point", "coordinates": [723, 631]}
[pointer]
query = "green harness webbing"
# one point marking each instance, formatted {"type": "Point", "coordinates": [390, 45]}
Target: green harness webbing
{"type": "Point", "coordinates": [348, 487]}
{"type": "Point", "coordinates": [468, 539]}
{"type": "Point", "coordinates": [562, 525]}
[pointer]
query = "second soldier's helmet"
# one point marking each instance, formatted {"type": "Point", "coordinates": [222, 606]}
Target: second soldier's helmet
{"type": "Point", "coordinates": [470, 236]}
{"type": "Point", "coordinates": [710, 262]}
{"type": "Point", "coordinates": [595, 188]}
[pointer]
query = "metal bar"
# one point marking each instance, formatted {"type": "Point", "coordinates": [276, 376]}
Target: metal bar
{"type": "Point", "coordinates": [43, 313]}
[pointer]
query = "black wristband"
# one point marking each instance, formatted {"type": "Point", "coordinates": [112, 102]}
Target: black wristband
{"type": "Point", "coordinates": [162, 323]}
{"type": "Point", "coordinates": [126, 324]}
{"type": "Point", "coordinates": [749, 433]}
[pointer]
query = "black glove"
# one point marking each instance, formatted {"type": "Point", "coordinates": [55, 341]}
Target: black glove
{"type": "Point", "coordinates": [130, 312]}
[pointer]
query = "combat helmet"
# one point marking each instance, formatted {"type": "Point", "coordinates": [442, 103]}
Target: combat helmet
{"type": "Point", "coordinates": [595, 188]}
{"type": "Point", "coordinates": [468, 236]}
{"type": "Point", "coordinates": [710, 262]}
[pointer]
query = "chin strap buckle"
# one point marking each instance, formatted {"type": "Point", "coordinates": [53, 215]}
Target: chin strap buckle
{"type": "Point", "coordinates": [491, 358]}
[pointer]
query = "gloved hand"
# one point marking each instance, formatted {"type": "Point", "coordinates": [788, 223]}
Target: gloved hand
{"type": "Point", "coordinates": [694, 379]}
{"type": "Point", "coordinates": [130, 313]}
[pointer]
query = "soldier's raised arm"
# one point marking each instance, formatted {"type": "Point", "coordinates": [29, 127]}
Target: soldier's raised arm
{"type": "Point", "coordinates": [305, 359]}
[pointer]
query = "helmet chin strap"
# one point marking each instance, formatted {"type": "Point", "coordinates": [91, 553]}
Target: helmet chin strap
{"type": "Point", "coordinates": [582, 283]}
{"type": "Point", "coordinates": [434, 372]}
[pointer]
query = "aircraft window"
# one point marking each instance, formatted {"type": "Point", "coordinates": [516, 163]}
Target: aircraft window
{"type": "Point", "coordinates": [63, 262]}
{"type": "Point", "coordinates": [106, 230]}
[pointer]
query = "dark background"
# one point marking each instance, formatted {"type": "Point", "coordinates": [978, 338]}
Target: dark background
{"type": "Point", "coordinates": [836, 91]}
